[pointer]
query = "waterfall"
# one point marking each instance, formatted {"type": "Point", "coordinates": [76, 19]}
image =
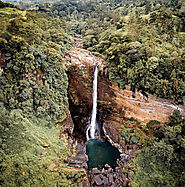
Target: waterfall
{"type": "Point", "coordinates": [92, 126]}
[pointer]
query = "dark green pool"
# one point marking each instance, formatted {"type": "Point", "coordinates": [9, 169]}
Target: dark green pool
{"type": "Point", "coordinates": [101, 153]}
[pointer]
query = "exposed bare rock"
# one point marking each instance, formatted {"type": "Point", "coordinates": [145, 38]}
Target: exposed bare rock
{"type": "Point", "coordinates": [84, 59]}
{"type": "Point", "coordinates": [78, 41]}
{"type": "Point", "coordinates": [67, 123]}
{"type": "Point", "coordinates": [108, 178]}
{"type": "Point", "coordinates": [80, 159]}
{"type": "Point", "coordinates": [98, 181]}
{"type": "Point", "coordinates": [112, 131]}
{"type": "Point", "coordinates": [139, 107]}
{"type": "Point", "coordinates": [95, 171]}
{"type": "Point", "coordinates": [86, 184]}
{"type": "Point", "coordinates": [105, 180]}
{"type": "Point", "coordinates": [111, 179]}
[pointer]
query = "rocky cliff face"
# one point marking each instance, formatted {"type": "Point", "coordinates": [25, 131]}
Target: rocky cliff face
{"type": "Point", "coordinates": [113, 103]}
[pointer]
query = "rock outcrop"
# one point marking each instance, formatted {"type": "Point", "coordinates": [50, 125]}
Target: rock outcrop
{"type": "Point", "coordinates": [132, 105]}
{"type": "Point", "coordinates": [108, 177]}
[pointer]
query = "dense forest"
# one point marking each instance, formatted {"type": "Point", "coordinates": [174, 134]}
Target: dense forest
{"type": "Point", "coordinates": [33, 96]}
{"type": "Point", "coordinates": [161, 161]}
{"type": "Point", "coordinates": [143, 43]}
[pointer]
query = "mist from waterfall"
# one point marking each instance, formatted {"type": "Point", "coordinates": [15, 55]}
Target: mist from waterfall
{"type": "Point", "coordinates": [91, 130]}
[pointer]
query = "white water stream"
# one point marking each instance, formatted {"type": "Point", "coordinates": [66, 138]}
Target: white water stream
{"type": "Point", "coordinates": [92, 126]}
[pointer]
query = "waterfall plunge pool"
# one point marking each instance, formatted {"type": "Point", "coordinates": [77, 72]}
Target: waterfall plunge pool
{"type": "Point", "coordinates": [101, 153]}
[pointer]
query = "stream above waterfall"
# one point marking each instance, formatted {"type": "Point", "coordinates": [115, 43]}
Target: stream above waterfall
{"type": "Point", "coordinates": [101, 153]}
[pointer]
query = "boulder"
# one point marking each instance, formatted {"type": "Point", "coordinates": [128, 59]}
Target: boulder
{"type": "Point", "coordinates": [107, 166]}
{"type": "Point", "coordinates": [80, 148]}
{"type": "Point", "coordinates": [101, 176]}
{"type": "Point", "coordinates": [86, 184]}
{"type": "Point", "coordinates": [111, 178]}
{"type": "Point", "coordinates": [98, 181]}
{"type": "Point", "coordinates": [95, 171]}
{"type": "Point", "coordinates": [85, 166]}
{"type": "Point", "coordinates": [74, 160]}
{"type": "Point", "coordinates": [82, 157]}
{"type": "Point", "coordinates": [105, 180]}
{"type": "Point", "coordinates": [126, 182]}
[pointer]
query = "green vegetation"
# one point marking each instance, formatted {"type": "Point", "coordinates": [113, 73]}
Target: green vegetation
{"type": "Point", "coordinates": [33, 99]}
{"type": "Point", "coordinates": [133, 132]}
{"type": "Point", "coordinates": [30, 150]}
{"type": "Point", "coordinates": [143, 50]}
{"type": "Point", "coordinates": [161, 162]}
{"type": "Point", "coordinates": [34, 79]}
{"type": "Point", "coordinates": [143, 43]}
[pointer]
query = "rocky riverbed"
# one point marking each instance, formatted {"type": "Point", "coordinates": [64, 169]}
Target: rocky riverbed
{"type": "Point", "coordinates": [106, 176]}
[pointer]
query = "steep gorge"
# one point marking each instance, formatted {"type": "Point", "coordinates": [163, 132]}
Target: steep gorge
{"type": "Point", "coordinates": [118, 110]}
{"type": "Point", "coordinates": [113, 102]}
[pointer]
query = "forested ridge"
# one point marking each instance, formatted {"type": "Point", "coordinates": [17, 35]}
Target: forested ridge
{"type": "Point", "coordinates": [33, 99]}
{"type": "Point", "coordinates": [143, 43]}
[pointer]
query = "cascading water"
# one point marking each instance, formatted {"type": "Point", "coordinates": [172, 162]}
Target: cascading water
{"type": "Point", "coordinates": [99, 153]}
{"type": "Point", "coordinates": [91, 130]}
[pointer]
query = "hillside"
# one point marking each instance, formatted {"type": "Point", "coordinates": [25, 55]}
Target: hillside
{"type": "Point", "coordinates": [47, 54]}
{"type": "Point", "coordinates": [142, 41]}
{"type": "Point", "coordinates": [33, 99]}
